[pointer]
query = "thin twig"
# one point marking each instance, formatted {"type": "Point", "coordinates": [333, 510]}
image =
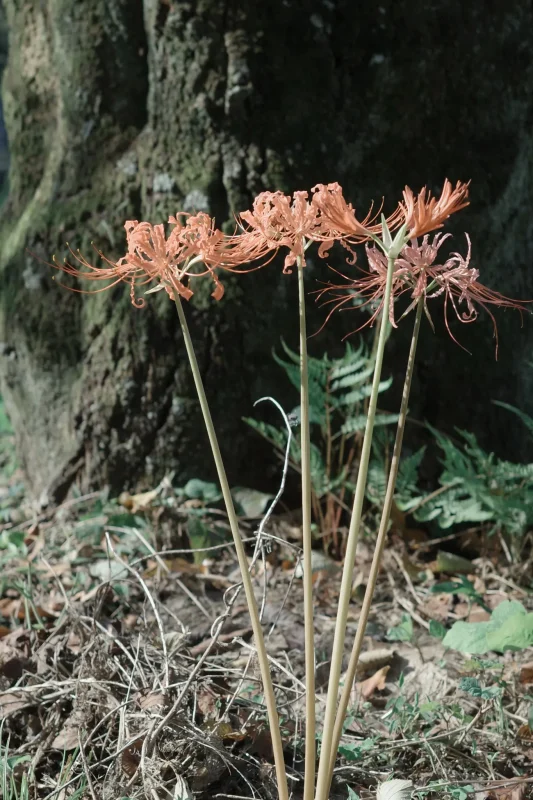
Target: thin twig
{"type": "Point", "coordinates": [261, 533]}
{"type": "Point", "coordinates": [86, 767]}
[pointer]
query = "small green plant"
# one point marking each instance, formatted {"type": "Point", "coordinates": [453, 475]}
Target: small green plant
{"type": "Point", "coordinates": [475, 487]}
{"type": "Point", "coordinates": [402, 632]}
{"type": "Point", "coordinates": [509, 628]}
{"type": "Point", "coordinates": [13, 772]}
{"type": "Point", "coordinates": [339, 389]}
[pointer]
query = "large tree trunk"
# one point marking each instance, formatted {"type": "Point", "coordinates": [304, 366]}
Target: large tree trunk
{"type": "Point", "coordinates": [120, 110]}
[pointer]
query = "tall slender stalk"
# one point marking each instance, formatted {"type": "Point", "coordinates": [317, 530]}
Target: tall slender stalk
{"type": "Point", "coordinates": [310, 738]}
{"type": "Point", "coordinates": [323, 779]}
{"type": "Point", "coordinates": [380, 543]}
{"type": "Point", "coordinates": [270, 699]}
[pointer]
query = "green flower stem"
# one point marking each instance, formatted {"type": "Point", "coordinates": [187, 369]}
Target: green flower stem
{"type": "Point", "coordinates": [310, 738]}
{"type": "Point", "coordinates": [327, 752]}
{"type": "Point", "coordinates": [268, 689]}
{"type": "Point", "coordinates": [380, 543]}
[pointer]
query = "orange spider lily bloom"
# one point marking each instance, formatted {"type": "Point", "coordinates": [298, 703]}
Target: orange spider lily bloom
{"type": "Point", "coordinates": [147, 260]}
{"type": "Point", "coordinates": [425, 213]}
{"type": "Point", "coordinates": [278, 220]}
{"type": "Point", "coordinates": [198, 240]}
{"type": "Point", "coordinates": [417, 274]}
{"type": "Point", "coordinates": [152, 256]}
{"type": "Point", "coordinates": [338, 218]}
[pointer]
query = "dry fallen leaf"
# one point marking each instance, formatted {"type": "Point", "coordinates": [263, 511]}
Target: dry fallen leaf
{"type": "Point", "coordinates": [371, 660]}
{"type": "Point", "coordinates": [394, 790]}
{"type": "Point", "coordinates": [15, 607]}
{"type": "Point", "coordinates": [175, 565]}
{"type": "Point", "coordinates": [131, 757]}
{"type": "Point", "coordinates": [525, 733]}
{"type": "Point", "coordinates": [147, 699]}
{"type": "Point", "coordinates": [15, 649]}
{"type": "Point", "coordinates": [526, 673]}
{"type": "Point", "coordinates": [138, 502]}
{"type": "Point", "coordinates": [437, 606]}
{"type": "Point", "coordinates": [415, 538]}
{"type": "Point", "coordinates": [507, 790]}
{"type": "Point", "coordinates": [206, 701]}
{"type": "Point", "coordinates": [373, 684]}
{"type": "Point", "coordinates": [68, 737]}
{"type": "Point", "coordinates": [11, 702]}
{"type": "Point", "coordinates": [471, 612]}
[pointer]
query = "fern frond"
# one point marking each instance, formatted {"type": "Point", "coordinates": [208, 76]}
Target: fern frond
{"type": "Point", "coordinates": [358, 423]}
{"type": "Point", "coordinates": [352, 377]}
{"type": "Point", "coordinates": [526, 419]}
{"type": "Point", "coordinates": [351, 398]}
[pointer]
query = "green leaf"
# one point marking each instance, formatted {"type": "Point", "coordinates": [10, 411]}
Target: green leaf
{"type": "Point", "coordinates": [474, 688]}
{"type": "Point", "coordinates": [126, 521]}
{"type": "Point", "coordinates": [202, 490]}
{"type": "Point", "coordinates": [352, 795]}
{"type": "Point", "coordinates": [252, 502]}
{"type": "Point", "coordinates": [202, 536]}
{"type": "Point", "coordinates": [385, 232]}
{"type": "Point", "coordinates": [526, 419]}
{"type": "Point", "coordinates": [108, 570]}
{"type": "Point", "coordinates": [460, 792]}
{"type": "Point", "coordinates": [354, 752]}
{"type": "Point", "coordinates": [402, 632]}
{"type": "Point", "coordinates": [509, 628]}
{"type": "Point", "coordinates": [516, 634]}
{"type": "Point", "coordinates": [467, 637]}
{"type": "Point", "coordinates": [364, 391]}
{"type": "Point", "coordinates": [358, 423]}
{"type": "Point", "coordinates": [437, 629]}
{"type": "Point", "coordinates": [461, 586]}
{"type": "Point", "coordinates": [450, 562]}
{"type": "Point", "coordinates": [13, 541]}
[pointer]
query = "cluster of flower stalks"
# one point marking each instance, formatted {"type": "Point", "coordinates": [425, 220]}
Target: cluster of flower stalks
{"type": "Point", "coordinates": [402, 259]}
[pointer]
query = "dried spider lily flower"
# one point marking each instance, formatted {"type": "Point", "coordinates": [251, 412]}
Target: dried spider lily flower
{"type": "Point", "coordinates": [417, 274]}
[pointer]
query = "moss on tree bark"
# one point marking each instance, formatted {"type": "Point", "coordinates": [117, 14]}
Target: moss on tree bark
{"type": "Point", "coordinates": [118, 109]}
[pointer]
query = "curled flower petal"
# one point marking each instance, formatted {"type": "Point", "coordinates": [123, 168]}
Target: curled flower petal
{"type": "Point", "coordinates": [417, 273]}
{"type": "Point", "coordinates": [425, 213]}
{"type": "Point", "coordinates": [151, 255]}
{"type": "Point", "coordinates": [338, 218]}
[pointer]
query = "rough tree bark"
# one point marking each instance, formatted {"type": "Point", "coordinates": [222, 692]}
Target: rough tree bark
{"type": "Point", "coordinates": [119, 109]}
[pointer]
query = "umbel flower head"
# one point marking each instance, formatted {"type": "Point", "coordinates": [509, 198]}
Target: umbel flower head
{"type": "Point", "coordinates": [278, 221]}
{"type": "Point", "coordinates": [424, 213]}
{"type": "Point", "coordinates": [338, 218]}
{"type": "Point", "coordinates": [418, 275]}
{"type": "Point", "coordinates": [152, 256]}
